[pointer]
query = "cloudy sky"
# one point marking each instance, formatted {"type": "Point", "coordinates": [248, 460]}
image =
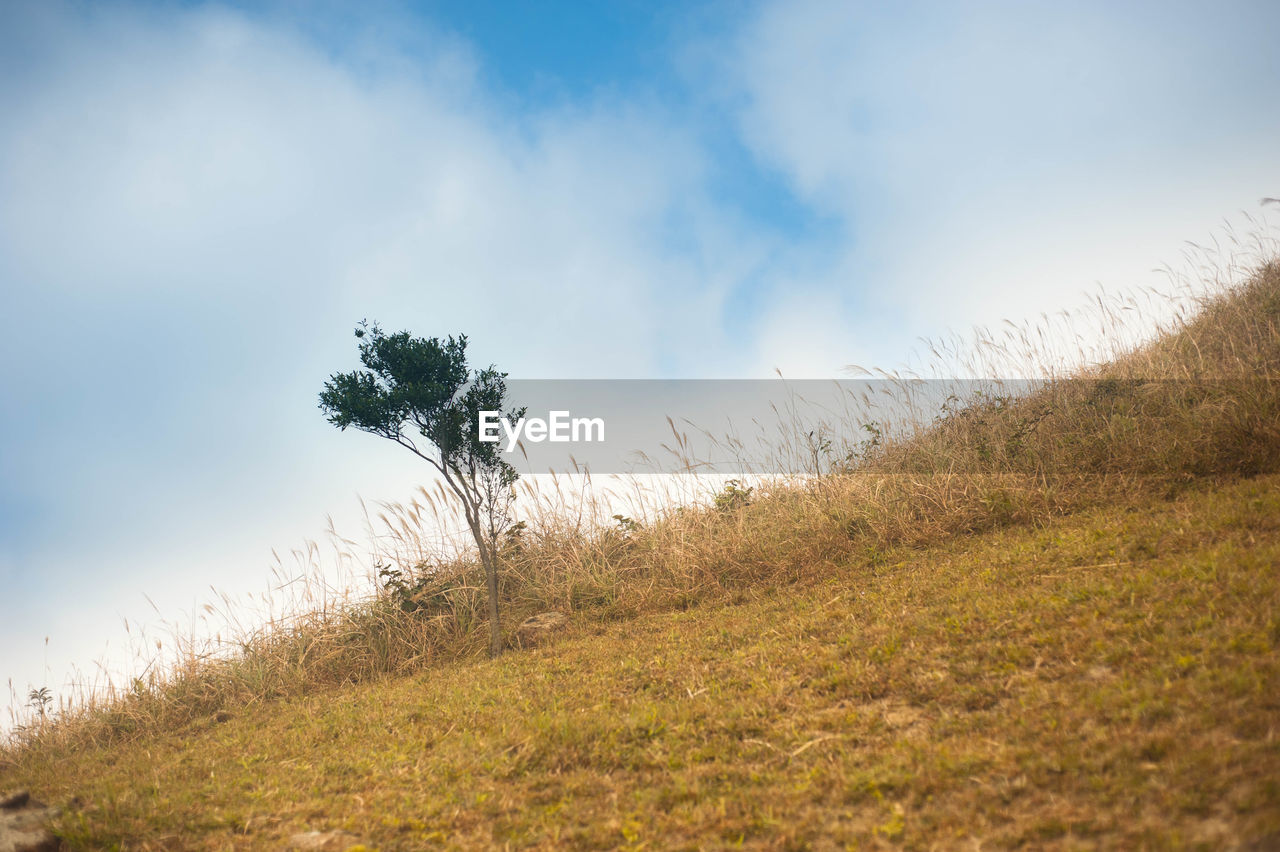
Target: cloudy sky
{"type": "Point", "coordinates": [199, 200]}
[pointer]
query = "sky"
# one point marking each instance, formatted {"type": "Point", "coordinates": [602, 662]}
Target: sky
{"type": "Point", "coordinates": [198, 201]}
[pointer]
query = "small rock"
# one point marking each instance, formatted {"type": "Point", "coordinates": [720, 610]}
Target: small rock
{"type": "Point", "coordinates": [326, 840]}
{"type": "Point", "coordinates": [537, 627]}
{"type": "Point", "coordinates": [23, 824]}
{"type": "Point", "coordinates": [543, 621]}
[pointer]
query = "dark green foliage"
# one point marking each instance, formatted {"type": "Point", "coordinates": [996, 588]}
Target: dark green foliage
{"type": "Point", "coordinates": [424, 384]}
{"type": "Point", "coordinates": [412, 592]}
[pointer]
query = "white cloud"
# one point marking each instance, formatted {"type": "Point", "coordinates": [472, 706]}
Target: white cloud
{"type": "Point", "coordinates": [994, 160]}
{"type": "Point", "coordinates": [806, 339]}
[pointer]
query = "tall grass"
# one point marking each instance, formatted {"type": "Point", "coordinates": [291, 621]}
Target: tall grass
{"type": "Point", "coordinates": [1184, 387]}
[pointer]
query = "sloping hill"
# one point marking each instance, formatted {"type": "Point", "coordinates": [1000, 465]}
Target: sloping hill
{"type": "Point", "coordinates": [1037, 623]}
{"type": "Point", "coordinates": [1109, 679]}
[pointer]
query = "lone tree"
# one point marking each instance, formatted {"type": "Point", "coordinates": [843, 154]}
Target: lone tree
{"type": "Point", "coordinates": [420, 393]}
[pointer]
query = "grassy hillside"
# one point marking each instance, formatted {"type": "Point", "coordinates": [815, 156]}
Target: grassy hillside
{"type": "Point", "coordinates": [1033, 622]}
{"type": "Point", "coordinates": [1106, 679]}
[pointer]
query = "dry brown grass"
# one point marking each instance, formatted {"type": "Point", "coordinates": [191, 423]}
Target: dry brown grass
{"type": "Point", "coordinates": [1199, 400]}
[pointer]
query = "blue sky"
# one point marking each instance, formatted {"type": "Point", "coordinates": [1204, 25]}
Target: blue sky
{"type": "Point", "coordinates": [199, 200]}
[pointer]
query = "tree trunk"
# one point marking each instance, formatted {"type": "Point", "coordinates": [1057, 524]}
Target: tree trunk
{"type": "Point", "coordinates": [495, 626]}
{"type": "Point", "coordinates": [488, 556]}
{"type": "Point", "coordinates": [489, 559]}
